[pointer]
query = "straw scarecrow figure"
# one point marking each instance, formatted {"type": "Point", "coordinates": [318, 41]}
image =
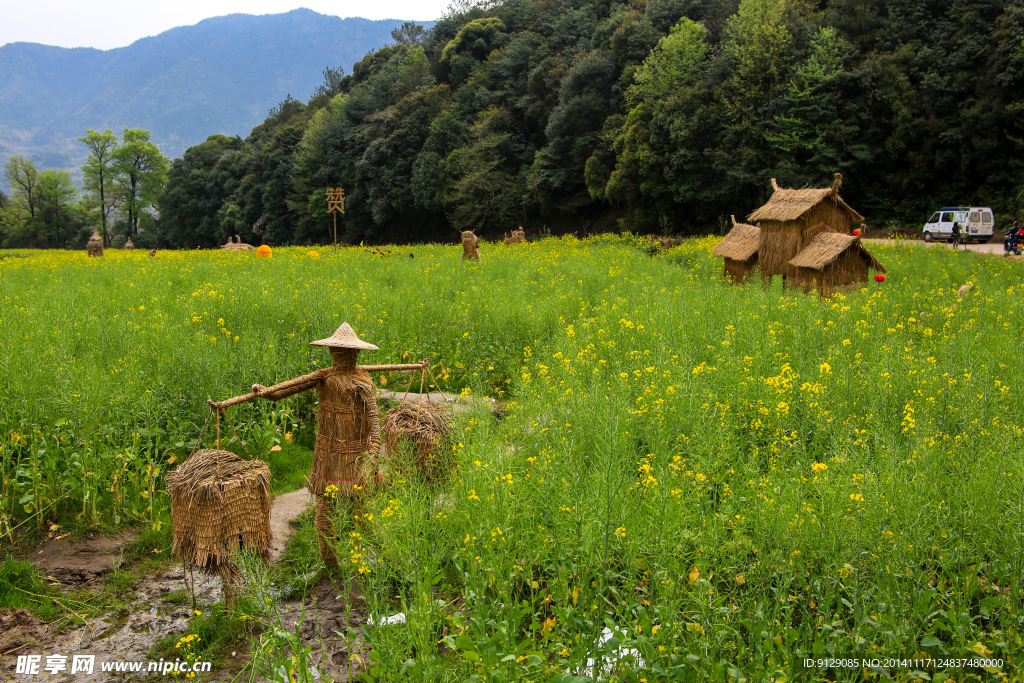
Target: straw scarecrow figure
{"type": "Point", "coordinates": [470, 246]}
{"type": "Point", "coordinates": [348, 427]}
{"type": "Point", "coordinates": [94, 247]}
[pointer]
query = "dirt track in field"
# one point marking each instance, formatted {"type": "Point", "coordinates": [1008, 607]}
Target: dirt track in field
{"type": "Point", "coordinates": [130, 634]}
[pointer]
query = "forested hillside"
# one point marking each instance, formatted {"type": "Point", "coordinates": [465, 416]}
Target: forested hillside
{"type": "Point", "coordinates": [657, 116]}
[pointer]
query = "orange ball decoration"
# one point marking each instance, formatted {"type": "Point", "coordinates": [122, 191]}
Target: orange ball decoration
{"type": "Point", "coordinates": [264, 251]}
{"type": "Point", "coordinates": [879, 278]}
{"type": "Point", "coordinates": [856, 232]}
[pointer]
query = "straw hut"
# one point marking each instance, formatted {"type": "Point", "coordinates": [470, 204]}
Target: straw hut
{"type": "Point", "coordinates": [220, 504]}
{"type": "Point", "coordinates": [739, 249]}
{"type": "Point", "coordinates": [793, 218]}
{"type": "Point", "coordinates": [128, 244]}
{"type": "Point", "coordinates": [94, 247]}
{"type": "Point", "coordinates": [237, 244]}
{"type": "Point", "coordinates": [426, 425]}
{"type": "Point", "coordinates": [832, 261]}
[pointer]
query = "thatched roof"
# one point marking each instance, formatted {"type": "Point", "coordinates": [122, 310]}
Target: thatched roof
{"type": "Point", "coordinates": [788, 205]}
{"type": "Point", "coordinates": [827, 247]}
{"type": "Point", "coordinates": [740, 243]}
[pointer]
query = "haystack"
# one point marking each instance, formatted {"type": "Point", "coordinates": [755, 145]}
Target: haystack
{"type": "Point", "coordinates": [833, 261]}
{"type": "Point", "coordinates": [470, 244]}
{"type": "Point", "coordinates": [426, 425]}
{"type": "Point", "coordinates": [236, 244]}
{"type": "Point", "coordinates": [220, 504]}
{"type": "Point", "coordinates": [793, 218]}
{"type": "Point", "coordinates": [128, 244]}
{"type": "Point", "coordinates": [94, 247]}
{"type": "Point", "coordinates": [739, 249]}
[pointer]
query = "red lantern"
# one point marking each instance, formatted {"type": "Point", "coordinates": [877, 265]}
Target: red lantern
{"type": "Point", "coordinates": [856, 233]}
{"type": "Point", "coordinates": [879, 278]}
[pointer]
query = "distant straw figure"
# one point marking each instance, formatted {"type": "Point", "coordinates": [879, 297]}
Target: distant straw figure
{"type": "Point", "coordinates": [128, 244]}
{"type": "Point", "coordinates": [94, 247]}
{"type": "Point", "coordinates": [220, 504]}
{"type": "Point", "coordinates": [518, 236]}
{"type": "Point", "coordinates": [470, 243]}
{"type": "Point", "coordinates": [348, 427]}
{"type": "Point", "coordinates": [237, 244]}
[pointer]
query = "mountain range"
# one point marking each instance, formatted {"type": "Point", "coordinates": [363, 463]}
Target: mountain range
{"type": "Point", "coordinates": [221, 75]}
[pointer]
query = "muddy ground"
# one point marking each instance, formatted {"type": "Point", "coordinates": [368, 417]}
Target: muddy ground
{"type": "Point", "coordinates": [129, 634]}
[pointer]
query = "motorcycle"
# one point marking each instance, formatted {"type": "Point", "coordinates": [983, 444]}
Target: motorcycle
{"type": "Point", "coordinates": [1014, 242]}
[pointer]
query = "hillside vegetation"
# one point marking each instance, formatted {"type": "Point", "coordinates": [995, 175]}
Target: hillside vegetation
{"type": "Point", "coordinates": [659, 115]}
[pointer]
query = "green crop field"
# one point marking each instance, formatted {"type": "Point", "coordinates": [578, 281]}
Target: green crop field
{"type": "Point", "coordinates": [732, 479]}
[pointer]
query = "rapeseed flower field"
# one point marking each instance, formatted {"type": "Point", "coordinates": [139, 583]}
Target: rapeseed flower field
{"type": "Point", "coordinates": [730, 479]}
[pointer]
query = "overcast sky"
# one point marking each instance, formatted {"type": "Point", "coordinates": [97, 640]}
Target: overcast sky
{"type": "Point", "coordinates": [106, 24]}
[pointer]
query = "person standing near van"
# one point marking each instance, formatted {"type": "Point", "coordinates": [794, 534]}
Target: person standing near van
{"type": "Point", "coordinates": [956, 236]}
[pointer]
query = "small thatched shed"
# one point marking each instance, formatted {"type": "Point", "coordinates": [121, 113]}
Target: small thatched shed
{"type": "Point", "coordinates": [793, 218]}
{"type": "Point", "coordinates": [739, 249]}
{"type": "Point", "coordinates": [832, 261]}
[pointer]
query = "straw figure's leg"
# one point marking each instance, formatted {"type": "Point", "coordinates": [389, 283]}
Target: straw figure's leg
{"type": "Point", "coordinates": [326, 539]}
{"type": "Point", "coordinates": [227, 572]}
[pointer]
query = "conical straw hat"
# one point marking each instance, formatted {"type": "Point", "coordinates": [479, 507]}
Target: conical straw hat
{"type": "Point", "coordinates": [345, 338]}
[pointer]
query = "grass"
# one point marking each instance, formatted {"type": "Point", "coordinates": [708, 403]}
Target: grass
{"type": "Point", "coordinates": [289, 467]}
{"type": "Point", "coordinates": [21, 587]}
{"type": "Point", "coordinates": [732, 479]}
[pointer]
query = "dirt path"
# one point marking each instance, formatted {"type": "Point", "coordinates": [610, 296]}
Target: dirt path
{"type": "Point", "coordinates": [129, 635]}
{"type": "Point", "coordinates": [284, 508]}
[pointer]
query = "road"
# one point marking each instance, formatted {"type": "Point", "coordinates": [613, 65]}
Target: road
{"type": "Point", "coordinates": [980, 248]}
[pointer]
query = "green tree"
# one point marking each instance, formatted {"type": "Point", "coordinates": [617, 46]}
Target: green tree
{"type": "Point", "coordinates": [487, 192]}
{"type": "Point", "coordinates": [56, 223]}
{"type": "Point", "coordinates": [757, 49]}
{"type": "Point", "coordinates": [197, 188]}
{"type": "Point", "coordinates": [98, 175]}
{"type": "Point", "coordinates": [470, 46]}
{"type": "Point", "coordinates": [22, 175]}
{"type": "Point", "coordinates": [665, 79]}
{"type": "Point", "coordinates": [141, 172]}
{"type": "Point", "coordinates": [8, 220]}
{"type": "Point", "coordinates": [410, 33]}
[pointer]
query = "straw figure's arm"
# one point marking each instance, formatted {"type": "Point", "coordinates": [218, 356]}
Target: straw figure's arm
{"type": "Point", "coordinates": [276, 392]}
{"type": "Point", "coordinates": [423, 364]}
{"type": "Point", "coordinates": [288, 388]}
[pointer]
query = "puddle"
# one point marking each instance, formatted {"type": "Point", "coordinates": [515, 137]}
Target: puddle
{"type": "Point", "coordinates": [117, 624]}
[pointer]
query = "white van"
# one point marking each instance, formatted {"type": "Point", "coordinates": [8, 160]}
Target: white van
{"type": "Point", "coordinates": [976, 223]}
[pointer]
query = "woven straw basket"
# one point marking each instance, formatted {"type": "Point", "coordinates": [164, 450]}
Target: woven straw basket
{"type": "Point", "coordinates": [220, 504]}
{"type": "Point", "coordinates": [426, 425]}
